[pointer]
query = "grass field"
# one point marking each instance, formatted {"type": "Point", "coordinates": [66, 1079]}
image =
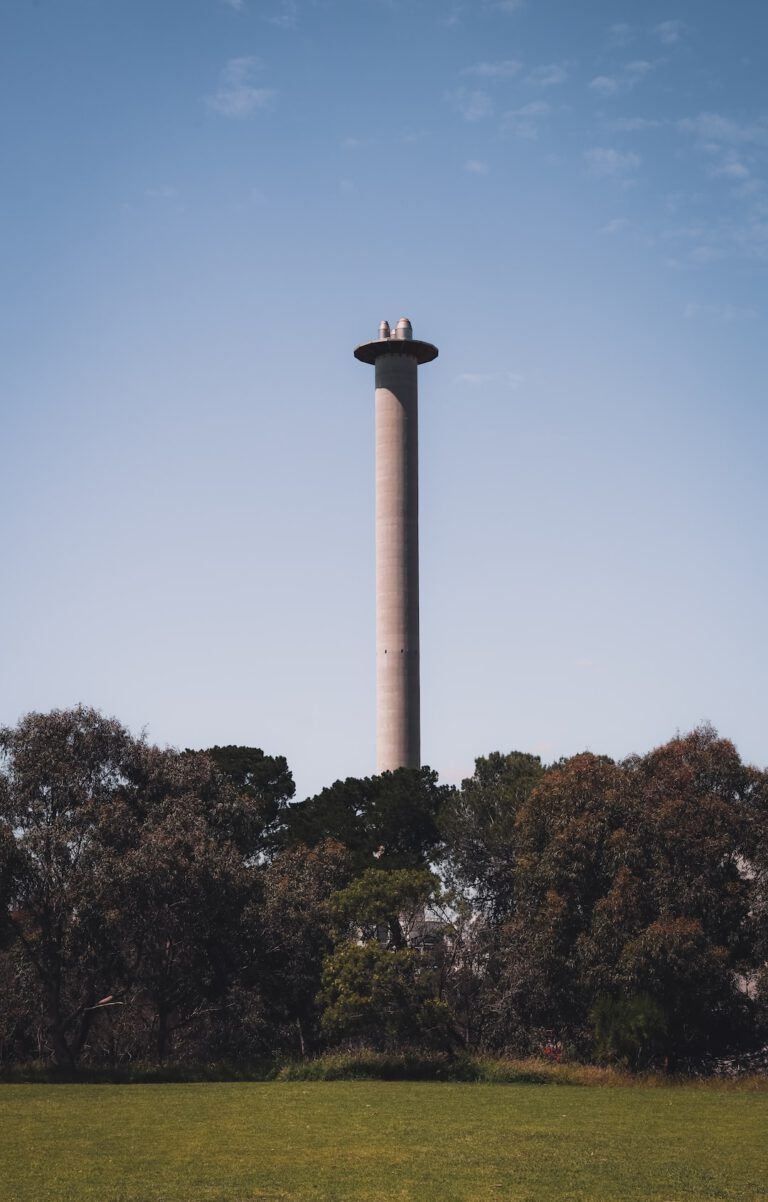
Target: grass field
{"type": "Point", "coordinates": [380, 1140]}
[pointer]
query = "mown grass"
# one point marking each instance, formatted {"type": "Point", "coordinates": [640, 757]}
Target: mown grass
{"type": "Point", "coordinates": [376, 1141]}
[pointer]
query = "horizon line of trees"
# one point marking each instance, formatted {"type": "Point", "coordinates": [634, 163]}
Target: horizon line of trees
{"type": "Point", "coordinates": [159, 904]}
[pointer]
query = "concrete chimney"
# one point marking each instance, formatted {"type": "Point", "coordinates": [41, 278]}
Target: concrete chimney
{"type": "Point", "coordinates": [396, 357]}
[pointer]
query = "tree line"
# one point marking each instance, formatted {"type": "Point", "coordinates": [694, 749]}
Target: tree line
{"type": "Point", "coordinates": [164, 905]}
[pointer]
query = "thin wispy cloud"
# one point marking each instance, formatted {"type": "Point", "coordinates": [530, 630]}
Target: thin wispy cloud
{"type": "Point", "coordinates": [750, 189]}
{"type": "Point", "coordinates": [505, 6]}
{"type": "Point", "coordinates": [412, 137]}
{"type": "Point", "coordinates": [287, 16]}
{"type": "Point", "coordinates": [693, 230]}
{"type": "Point", "coordinates": [670, 32]}
{"type": "Point", "coordinates": [484, 379]}
{"type": "Point", "coordinates": [524, 122]}
{"type": "Point", "coordinates": [476, 167]}
{"type": "Point", "coordinates": [713, 128]}
{"type": "Point", "coordinates": [749, 237]}
{"type": "Point", "coordinates": [548, 76]}
{"type": "Point", "coordinates": [624, 79]}
{"type": "Point", "coordinates": [702, 256]}
{"type": "Point", "coordinates": [609, 163]}
{"type": "Point", "coordinates": [729, 314]}
{"type": "Point", "coordinates": [620, 34]}
{"type": "Point", "coordinates": [605, 85]}
{"type": "Point", "coordinates": [704, 243]}
{"type": "Point", "coordinates": [734, 150]}
{"type": "Point", "coordinates": [731, 167]}
{"type": "Point", "coordinates": [452, 19]}
{"type": "Point", "coordinates": [473, 104]}
{"type": "Point", "coordinates": [633, 73]}
{"type": "Point", "coordinates": [630, 125]}
{"type": "Point", "coordinates": [498, 70]}
{"type": "Point", "coordinates": [164, 192]}
{"type": "Point", "coordinates": [616, 225]}
{"type": "Point", "coordinates": [237, 5]}
{"type": "Point", "coordinates": [236, 95]}
{"type": "Point", "coordinates": [357, 143]}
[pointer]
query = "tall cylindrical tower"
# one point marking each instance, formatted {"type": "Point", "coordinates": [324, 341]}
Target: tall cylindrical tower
{"type": "Point", "coordinates": [396, 357]}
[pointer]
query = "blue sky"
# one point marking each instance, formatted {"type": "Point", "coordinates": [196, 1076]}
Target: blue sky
{"type": "Point", "coordinates": [207, 203]}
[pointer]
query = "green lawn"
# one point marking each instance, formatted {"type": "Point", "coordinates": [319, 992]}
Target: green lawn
{"type": "Point", "coordinates": [380, 1140]}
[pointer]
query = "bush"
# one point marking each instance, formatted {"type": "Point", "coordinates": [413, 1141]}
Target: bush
{"type": "Point", "coordinates": [627, 1031]}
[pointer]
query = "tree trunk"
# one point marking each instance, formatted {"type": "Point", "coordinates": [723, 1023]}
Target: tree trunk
{"type": "Point", "coordinates": [162, 1034]}
{"type": "Point", "coordinates": [62, 1053]}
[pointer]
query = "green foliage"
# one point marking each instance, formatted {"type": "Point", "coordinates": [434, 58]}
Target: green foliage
{"type": "Point", "coordinates": [264, 783]}
{"type": "Point", "coordinates": [632, 878]}
{"type": "Point", "coordinates": [390, 820]}
{"type": "Point", "coordinates": [627, 1031]}
{"type": "Point", "coordinates": [265, 776]}
{"type": "Point", "coordinates": [384, 905]}
{"type": "Point", "coordinates": [166, 906]}
{"type": "Point", "coordinates": [62, 773]}
{"type": "Point", "coordinates": [377, 987]}
{"type": "Point", "coordinates": [365, 1064]}
{"type": "Point", "coordinates": [128, 888]}
{"type": "Point", "coordinates": [479, 825]}
{"type": "Point", "coordinates": [383, 997]}
{"type": "Point", "coordinates": [294, 921]}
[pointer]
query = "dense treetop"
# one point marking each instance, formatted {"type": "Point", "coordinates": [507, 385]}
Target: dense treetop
{"type": "Point", "coordinates": [158, 904]}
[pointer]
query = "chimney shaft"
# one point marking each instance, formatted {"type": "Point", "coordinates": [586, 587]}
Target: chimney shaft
{"type": "Point", "coordinates": [397, 359]}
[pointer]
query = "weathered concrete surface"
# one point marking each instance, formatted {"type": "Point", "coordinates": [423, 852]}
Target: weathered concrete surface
{"type": "Point", "coordinates": [398, 727]}
{"type": "Point", "coordinates": [396, 357]}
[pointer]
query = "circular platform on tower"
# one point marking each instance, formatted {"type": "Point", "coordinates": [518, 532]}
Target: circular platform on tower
{"type": "Point", "coordinates": [422, 352]}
